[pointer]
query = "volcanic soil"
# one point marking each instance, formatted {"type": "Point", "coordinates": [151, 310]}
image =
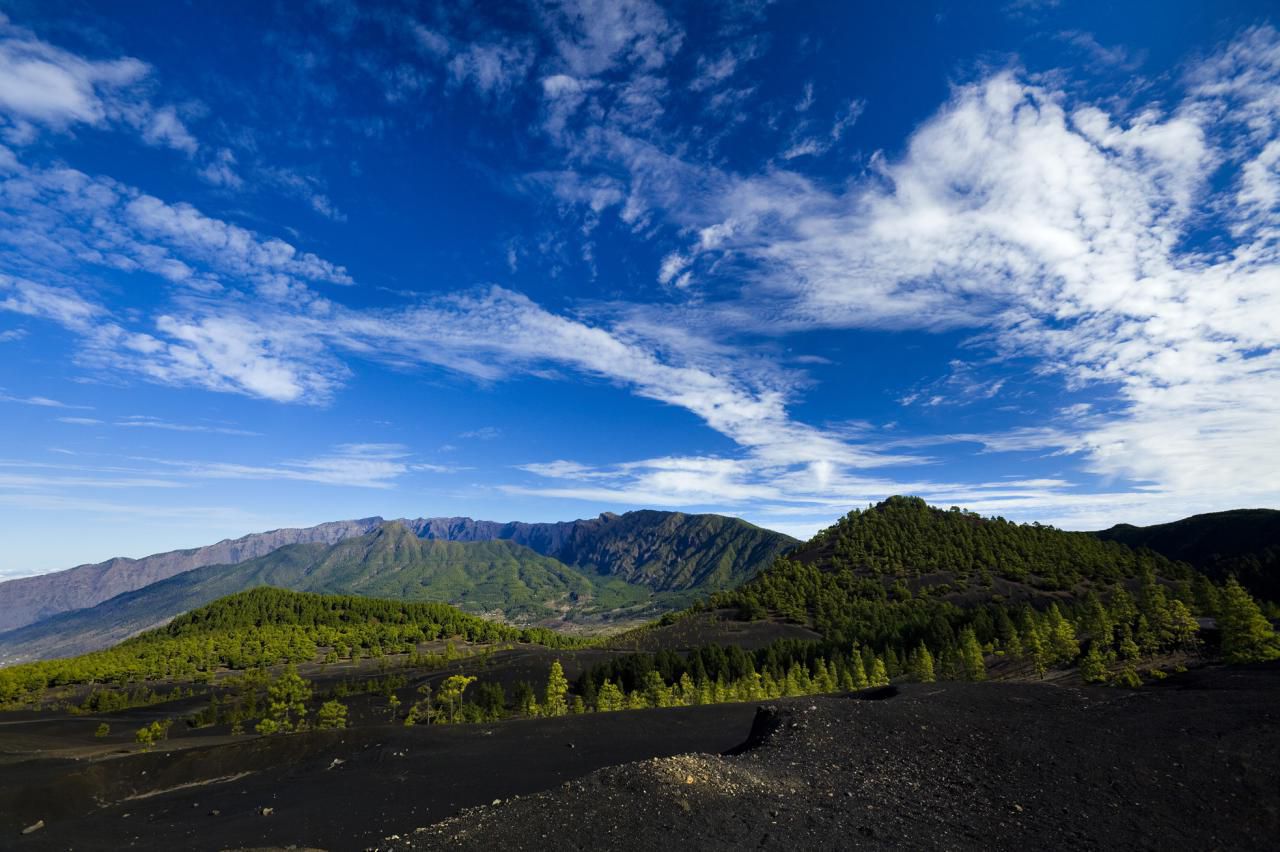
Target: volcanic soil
{"type": "Point", "coordinates": [1191, 763]}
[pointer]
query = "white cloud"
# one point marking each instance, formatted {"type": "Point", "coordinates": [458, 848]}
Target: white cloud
{"type": "Point", "coordinates": [163, 128]}
{"type": "Point", "coordinates": [492, 69]}
{"type": "Point", "coordinates": [143, 421]}
{"type": "Point", "coordinates": [711, 73]}
{"type": "Point", "coordinates": [356, 465]}
{"type": "Point", "coordinates": [43, 84]}
{"type": "Point", "coordinates": [220, 170]}
{"type": "Point", "coordinates": [1053, 226]}
{"type": "Point", "coordinates": [59, 304]}
{"type": "Point", "coordinates": [594, 36]}
{"type": "Point", "coordinates": [40, 401]}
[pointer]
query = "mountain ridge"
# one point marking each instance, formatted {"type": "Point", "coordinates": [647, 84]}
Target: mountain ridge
{"type": "Point", "coordinates": [631, 562]}
{"type": "Point", "coordinates": [1240, 542]}
{"type": "Point", "coordinates": [31, 599]}
{"type": "Point", "coordinates": [28, 600]}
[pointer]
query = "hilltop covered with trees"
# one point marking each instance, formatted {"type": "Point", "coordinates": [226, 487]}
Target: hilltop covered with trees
{"type": "Point", "coordinates": [266, 627]}
{"type": "Point", "coordinates": [902, 575]}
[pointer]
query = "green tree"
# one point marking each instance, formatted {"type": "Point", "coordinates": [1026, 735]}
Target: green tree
{"type": "Point", "coordinates": [491, 698]}
{"type": "Point", "coordinates": [332, 714]}
{"type": "Point", "coordinates": [525, 699]}
{"type": "Point", "coordinates": [451, 691]}
{"type": "Point", "coordinates": [972, 659]}
{"type": "Point", "coordinates": [421, 709]}
{"type": "Point", "coordinates": [287, 698]}
{"type": "Point", "coordinates": [1061, 636]}
{"type": "Point", "coordinates": [148, 735]}
{"type": "Point", "coordinates": [1184, 630]}
{"type": "Point", "coordinates": [104, 730]}
{"type": "Point", "coordinates": [922, 664]}
{"type": "Point", "coordinates": [857, 671]}
{"type": "Point", "coordinates": [879, 674]}
{"type": "Point", "coordinates": [1092, 668]}
{"type": "Point", "coordinates": [556, 700]}
{"type": "Point", "coordinates": [1247, 636]}
{"type": "Point", "coordinates": [610, 698]}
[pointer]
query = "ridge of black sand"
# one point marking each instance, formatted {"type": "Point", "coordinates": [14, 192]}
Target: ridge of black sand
{"type": "Point", "coordinates": [333, 790]}
{"type": "Point", "coordinates": [1191, 764]}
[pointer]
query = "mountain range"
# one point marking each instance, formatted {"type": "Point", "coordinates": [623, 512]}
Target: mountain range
{"type": "Point", "coordinates": [638, 564]}
{"type": "Point", "coordinates": [617, 568]}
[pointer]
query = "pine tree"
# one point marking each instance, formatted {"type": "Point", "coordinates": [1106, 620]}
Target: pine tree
{"type": "Point", "coordinates": [975, 665]}
{"type": "Point", "coordinates": [451, 691]}
{"type": "Point", "coordinates": [609, 698]}
{"type": "Point", "coordinates": [525, 699]}
{"type": "Point", "coordinates": [421, 709]}
{"type": "Point", "coordinates": [686, 693]}
{"type": "Point", "coordinates": [922, 664]}
{"type": "Point", "coordinates": [868, 660]}
{"type": "Point", "coordinates": [1097, 623]}
{"type": "Point", "coordinates": [655, 690]}
{"type": "Point", "coordinates": [1247, 636]}
{"type": "Point", "coordinates": [857, 671]}
{"type": "Point", "coordinates": [1033, 646]}
{"type": "Point", "coordinates": [1061, 634]}
{"type": "Point", "coordinates": [556, 701]}
{"type": "Point", "coordinates": [287, 697]}
{"type": "Point", "coordinates": [1126, 648]}
{"type": "Point", "coordinates": [1184, 630]}
{"type": "Point", "coordinates": [1092, 667]}
{"type": "Point", "coordinates": [332, 714]}
{"type": "Point", "coordinates": [879, 674]}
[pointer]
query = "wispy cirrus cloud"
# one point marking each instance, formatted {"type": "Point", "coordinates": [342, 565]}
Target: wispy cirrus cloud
{"type": "Point", "coordinates": [40, 401]}
{"type": "Point", "coordinates": [358, 465]}
{"type": "Point", "coordinates": [1048, 222]}
{"type": "Point", "coordinates": [142, 421]}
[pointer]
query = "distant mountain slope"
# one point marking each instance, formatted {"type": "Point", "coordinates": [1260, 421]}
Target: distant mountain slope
{"type": "Point", "coordinates": [30, 599]}
{"type": "Point", "coordinates": [1243, 542]}
{"type": "Point", "coordinates": [664, 551]}
{"type": "Point", "coordinates": [391, 562]}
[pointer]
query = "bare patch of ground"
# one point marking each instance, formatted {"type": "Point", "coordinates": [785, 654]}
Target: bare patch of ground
{"type": "Point", "coordinates": [1193, 764]}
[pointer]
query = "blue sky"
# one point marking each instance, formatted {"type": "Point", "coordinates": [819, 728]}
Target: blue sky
{"type": "Point", "coordinates": [269, 265]}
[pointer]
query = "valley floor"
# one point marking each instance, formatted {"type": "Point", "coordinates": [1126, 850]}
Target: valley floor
{"type": "Point", "coordinates": [1193, 763]}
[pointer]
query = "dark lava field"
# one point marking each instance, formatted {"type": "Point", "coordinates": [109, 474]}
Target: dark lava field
{"type": "Point", "coordinates": [1191, 763]}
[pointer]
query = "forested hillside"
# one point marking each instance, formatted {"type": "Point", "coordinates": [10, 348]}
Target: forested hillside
{"type": "Point", "coordinates": [911, 581]}
{"type": "Point", "coordinates": [265, 627]}
{"type": "Point", "coordinates": [664, 551]}
{"type": "Point", "coordinates": [1244, 543]}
